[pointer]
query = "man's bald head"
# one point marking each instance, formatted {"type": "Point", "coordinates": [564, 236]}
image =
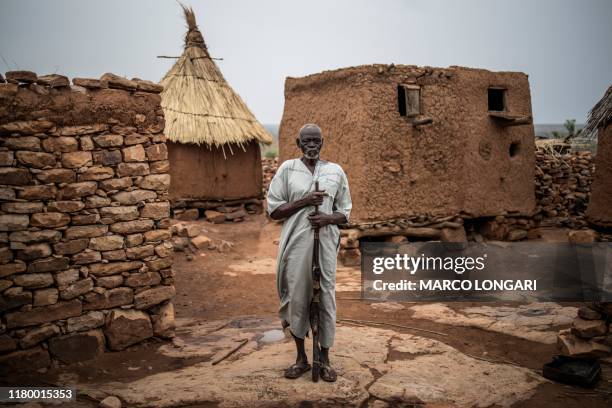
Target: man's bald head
{"type": "Point", "coordinates": [310, 140]}
{"type": "Point", "coordinates": [310, 129]}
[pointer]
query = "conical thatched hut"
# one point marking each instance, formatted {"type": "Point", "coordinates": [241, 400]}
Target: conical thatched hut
{"type": "Point", "coordinates": [213, 138]}
{"type": "Point", "coordinates": [599, 125]}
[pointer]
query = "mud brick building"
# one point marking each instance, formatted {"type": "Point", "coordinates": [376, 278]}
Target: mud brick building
{"type": "Point", "coordinates": [599, 124]}
{"type": "Point", "coordinates": [85, 252]}
{"type": "Point", "coordinates": [419, 140]}
{"type": "Point", "coordinates": [213, 136]}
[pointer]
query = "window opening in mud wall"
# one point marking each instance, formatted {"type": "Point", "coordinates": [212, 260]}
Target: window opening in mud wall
{"type": "Point", "coordinates": [497, 99]}
{"type": "Point", "coordinates": [515, 148]}
{"type": "Point", "coordinates": [409, 100]}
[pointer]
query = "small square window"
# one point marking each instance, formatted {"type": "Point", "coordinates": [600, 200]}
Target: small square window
{"type": "Point", "coordinates": [497, 99]}
{"type": "Point", "coordinates": [409, 100]}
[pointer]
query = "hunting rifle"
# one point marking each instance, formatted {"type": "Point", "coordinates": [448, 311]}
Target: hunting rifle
{"type": "Point", "coordinates": [314, 303]}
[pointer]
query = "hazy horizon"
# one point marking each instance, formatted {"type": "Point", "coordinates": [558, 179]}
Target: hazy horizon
{"type": "Point", "coordinates": [563, 45]}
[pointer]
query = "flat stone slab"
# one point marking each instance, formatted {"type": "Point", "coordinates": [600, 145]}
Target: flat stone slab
{"type": "Point", "coordinates": [537, 322]}
{"type": "Point", "coordinates": [421, 369]}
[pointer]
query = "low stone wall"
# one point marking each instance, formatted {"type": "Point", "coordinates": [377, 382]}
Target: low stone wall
{"type": "Point", "coordinates": [85, 251]}
{"type": "Point", "coordinates": [563, 183]}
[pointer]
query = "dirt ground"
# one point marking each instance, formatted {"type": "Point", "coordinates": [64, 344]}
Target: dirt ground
{"type": "Point", "coordinates": [447, 355]}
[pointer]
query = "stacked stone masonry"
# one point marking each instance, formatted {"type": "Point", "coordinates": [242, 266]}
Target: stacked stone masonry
{"type": "Point", "coordinates": [589, 336]}
{"type": "Point", "coordinates": [85, 244]}
{"type": "Point", "coordinates": [563, 183]}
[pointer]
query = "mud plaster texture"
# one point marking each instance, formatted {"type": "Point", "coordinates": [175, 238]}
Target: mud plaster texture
{"type": "Point", "coordinates": [205, 173]}
{"type": "Point", "coordinates": [599, 211]}
{"type": "Point", "coordinates": [460, 162]}
{"type": "Point", "coordinates": [85, 253]}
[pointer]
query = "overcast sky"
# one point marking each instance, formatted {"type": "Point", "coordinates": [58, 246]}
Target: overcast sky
{"type": "Point", "coordinates": [565, 46]}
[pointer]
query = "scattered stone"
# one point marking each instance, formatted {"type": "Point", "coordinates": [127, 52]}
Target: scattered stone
{"type": "Point", "coordinates": [163, 321]}
{"type": "Point", "coordinates": [201, 241]}
{"type": "Point", "coordinates": [110, 402]}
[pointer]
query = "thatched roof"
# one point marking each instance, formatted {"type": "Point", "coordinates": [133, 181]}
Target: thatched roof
{"type": "Point", "coordinates": [199, 105]}
{"type": "Point", "coordinates": [600, 115]}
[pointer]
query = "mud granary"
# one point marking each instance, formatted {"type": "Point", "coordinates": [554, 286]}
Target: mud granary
{"type": "Point", "coordinates": [599, 125]}
{"type": "Point", "coordinates": [421, 140]}
{"type": "Point", "coordinates": [213, 137]}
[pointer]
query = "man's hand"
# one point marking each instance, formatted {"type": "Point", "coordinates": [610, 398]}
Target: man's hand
{"type": "Point", "coordinates": [320, 220]}
{"type": "Point", "coordinates": [315, 198]}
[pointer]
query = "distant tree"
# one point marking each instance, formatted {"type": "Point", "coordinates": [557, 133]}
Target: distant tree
{"type": "Point", "coordinates": [570, 126]}
{"type": "Point", "coordinates": [271, 154]}
{"type": "Point", "coordinates": [555, 134]}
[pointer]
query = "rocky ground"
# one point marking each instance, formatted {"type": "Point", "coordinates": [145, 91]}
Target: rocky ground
{"type": "Point", "coordinates": [395, 354]}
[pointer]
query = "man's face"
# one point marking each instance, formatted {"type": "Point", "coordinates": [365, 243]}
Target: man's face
{"type": "Point", "coordinates": [310, 142]}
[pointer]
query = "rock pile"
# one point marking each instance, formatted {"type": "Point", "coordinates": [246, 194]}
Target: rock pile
{"type": "Point", "coordinates": [218, 212]}
{"type": "Point", "coordinates": [589, 336]}
{"type": "Point", "coordinates": [85, 252]}
{"type": "Point", "coordinates": [191, 238]}
{"type": "Point", "coordinates": [269, 170]}
{"type": "Point", "coordinates": [563, 184]}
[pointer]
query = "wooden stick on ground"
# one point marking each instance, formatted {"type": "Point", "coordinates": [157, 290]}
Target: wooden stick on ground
{"type": "Point", "coordinates": [229, 353]}
{"type": "Point", "coordinates": [366, 322]}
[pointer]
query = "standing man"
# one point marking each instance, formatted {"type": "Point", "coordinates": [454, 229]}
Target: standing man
{"type": "Point", "coordinates": [291, 197]}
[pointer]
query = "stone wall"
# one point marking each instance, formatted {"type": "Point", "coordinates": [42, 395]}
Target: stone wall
{"type": "Point", "coordinates": [85, 252]}
{"type": "Point", "coordinates": [563, 183]}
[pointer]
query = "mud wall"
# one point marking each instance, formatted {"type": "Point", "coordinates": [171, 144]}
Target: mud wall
{"type": "Point", "coordinates": [458, 164]}
{"type": "Point", "coordinates": [207, 174]}
{"type": "Point", "coordinates": [85, 252]}
{"type": "Point", "coordinates": [600, 207]}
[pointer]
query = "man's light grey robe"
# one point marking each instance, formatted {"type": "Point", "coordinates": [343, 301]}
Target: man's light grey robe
{"type": "Point", "coordinates": [292, 182]}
